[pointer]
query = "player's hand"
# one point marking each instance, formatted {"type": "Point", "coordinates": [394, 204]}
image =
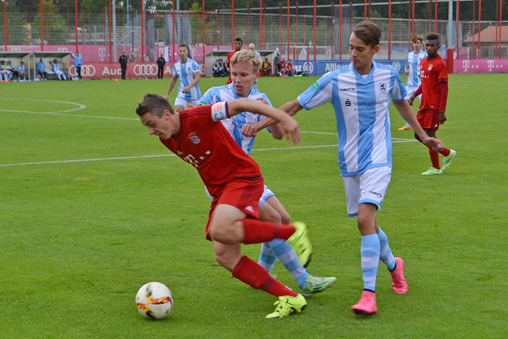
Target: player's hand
{"type": "Point", "coordinates": [185, 90]}
{"type": "Point", "coordinates": [261, 100]}
{"type": "Point", "coordinates": [290, 129]}
{"type": "Point", "coordinates": [249, 130]}
{"type": "Point", "coordinates": [442, 117]}
{"type": "Point", "coordinates": [410, 100]}
{"type": "Point", "coordinates": [436, 144]}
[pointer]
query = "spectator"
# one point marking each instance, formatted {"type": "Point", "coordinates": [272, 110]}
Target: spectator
{"type": "Point", "coordinates": [78, 61]}
{"type": "Point", "coordinates": [56, 69]}
{"type": "Point", "coordinates": [290, 68]}
{"type": "Point", "coordinates": [266, 68]}
{"type": "Point", "coordinates": [123, 63]}
{"type": "Point", "coordinates": [41, 70]}
{"type": "Point", "coordinates": [21, 71]}
{"type": "Point", "coordinates": [12, 71]}
{"type": "Point", "coordinates": [283, 67]}
{"type": "Point", "coordinates": [4, 72]}
{"type": "Point", "coordinates": [276, 62]}
{"type": "Point", "coordinates": [222, 68]}
{"type": "Point", "coordinates": [215, 69]}
{"type": "Point", "coordinates": [161, 62]}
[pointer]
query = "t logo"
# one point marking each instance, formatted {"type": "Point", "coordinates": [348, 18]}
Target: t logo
{"type": "Point", "coordinates": [465, 65]}
{"type": "Point", "coordinates": [490, 65]}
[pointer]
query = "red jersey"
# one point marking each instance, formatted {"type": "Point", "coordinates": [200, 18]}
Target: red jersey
{"type": "Point", "coordinates": [230, 55]}
{"type": "Point", "coordinates": [208, 146]}
{"type": "Point", "coordinates": [431, 72]}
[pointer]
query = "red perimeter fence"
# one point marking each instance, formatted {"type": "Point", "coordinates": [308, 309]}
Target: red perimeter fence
{"type": "Point", "coordinates": [315, 32]}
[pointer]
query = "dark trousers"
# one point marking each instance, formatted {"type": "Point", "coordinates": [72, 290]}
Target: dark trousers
{"type": "Point", "coordinates": [78, 70]}
{"type": "Point", "coordinates": [124, 70]}
{"type": "Point", "coordinates": [160, 72]}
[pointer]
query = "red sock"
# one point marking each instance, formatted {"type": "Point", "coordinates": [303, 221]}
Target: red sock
{"type": "Point", "coordinates": [445, 152]}
{"type": "Point", "coordinates": [257, 277]}
{"type": "Point", "coordinates": [434, 157]}
{"type": "Point", "coordinates": [255, 231]}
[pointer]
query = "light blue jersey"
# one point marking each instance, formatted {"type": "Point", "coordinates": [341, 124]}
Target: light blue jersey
{"type": "Point", "coordinates": [361, 105]}
{"type": "Point", "coordinates": [234, 124]}
{"type": "Point", "coordinates": [78, 60]}
{"type": "Point", "coordinates": [413, 65]}
{"type": "Point", "coordinates": [185, 74]}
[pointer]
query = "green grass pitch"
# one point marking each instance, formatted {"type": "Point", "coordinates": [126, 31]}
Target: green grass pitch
{"type": "Point", "coordinates": [92, 207]}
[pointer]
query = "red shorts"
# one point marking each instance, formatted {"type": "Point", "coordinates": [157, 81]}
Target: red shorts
{"type": "Point", "coordinates": [428, 119]}
{"type": "Point", "coordinates": [243, 194]}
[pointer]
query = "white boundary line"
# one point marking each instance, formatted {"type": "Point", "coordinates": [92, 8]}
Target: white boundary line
{"type": "Point", "coordinates": [81, 107]}
{"type": "Point", "coordinates": [169, 155]}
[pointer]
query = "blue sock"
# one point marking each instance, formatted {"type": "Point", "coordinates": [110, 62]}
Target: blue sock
{"type": "Point", "coordinates": [287, 256]}
{"type": "Point", "coordinates": [266, 257]}
{"type": "Point", "coordinates": [370, 260]}
{"type": "Point", "coordinates": [385, 255]}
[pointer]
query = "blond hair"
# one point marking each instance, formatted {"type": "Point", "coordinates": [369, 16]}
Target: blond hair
{"type": "Point", "coordinates": [247, 56]}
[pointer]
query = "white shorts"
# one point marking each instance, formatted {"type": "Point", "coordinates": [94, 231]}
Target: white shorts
{"type": "Point", "coordinates": [184, 103]}
{"type": "Point", "coordinates": [368, 187]}
{"type": "Point", "coordinates": [410, 91]}
{"type": "Point", "coordinates": [267, 193]}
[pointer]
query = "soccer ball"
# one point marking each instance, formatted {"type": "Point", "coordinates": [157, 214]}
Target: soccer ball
{"type": "Point", "coordinates": [154, 300]}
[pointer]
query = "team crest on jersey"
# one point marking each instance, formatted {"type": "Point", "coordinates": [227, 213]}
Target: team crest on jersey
{"type": "Point", "coordinates": [382, 87]}
{"type": "Point", "coordinates": [194, 138]}
{"type": "Point", "coordinates": [430, 67]}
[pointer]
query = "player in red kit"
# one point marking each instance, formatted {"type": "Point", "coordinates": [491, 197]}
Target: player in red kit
{"type": "Point", "coordinates": [434, 90]}
{"type": "Point", "coordinates": [234, 181]}
{"type": "Point", "coordinates": [238, 46]}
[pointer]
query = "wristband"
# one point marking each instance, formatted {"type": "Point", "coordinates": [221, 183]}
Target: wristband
{"type": "Point", "coordinates": [219, 111]}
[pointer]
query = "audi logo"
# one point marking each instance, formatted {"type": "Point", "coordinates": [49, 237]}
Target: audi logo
{"type": "Point", "coordinates": [86, 70]}
{"type": "Point", "coordinates": [150, 69]}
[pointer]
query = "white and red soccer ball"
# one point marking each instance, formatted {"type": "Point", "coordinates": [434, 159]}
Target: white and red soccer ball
{"type": "Point", "coordinates": [154, 300]}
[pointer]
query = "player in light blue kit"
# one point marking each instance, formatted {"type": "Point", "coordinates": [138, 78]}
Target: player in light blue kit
{"type": "Point", "coordinates": [412, 71]}
{"type": "Point", "coordinates": [187, 71]}
{"type": "Point", "coordinates": [360, 94]}
{"type": "Point", "coordinates": [244, 73]}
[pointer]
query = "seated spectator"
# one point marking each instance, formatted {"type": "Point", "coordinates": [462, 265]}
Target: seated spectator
{"type": "Point", "coordinates": [283, 67]}
{"type": "Point", "coordinates": [4, 72]}
{"type": "Point", "coordinates": [41, 70]}
{"type": "Point", "coordinates": [266, 68]}
{"type": "Point", "coordinates": [222, 68]}
{"type": "Point", "coordinates": [12, 71]}
{"type": "Point", "coordinates": [21, 71]}
{"type": "Point", "coordinates": [56, 69]}
{"type": "Point", "coordinates": [215, 69]}
{"type": "Point", "coordinates": [290, 68]}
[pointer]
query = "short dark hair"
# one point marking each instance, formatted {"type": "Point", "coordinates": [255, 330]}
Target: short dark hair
{"type": "Point", "coordinates": [239, 39]}
{"type": "Point", "coordinates": [155, 104]}
{"type": "Point", "coordinates": [368, 32]}
{"type": "Point", "coordinates": [432, 36]}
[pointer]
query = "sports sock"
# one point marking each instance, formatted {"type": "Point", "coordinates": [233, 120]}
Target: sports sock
{"type": "Point", "coordinates": [266, 257]}
{"type": "Point", "coordinates": [287, 256]}
{"type": "Point", "coordinates": [434, 158]}
{"type": "Point", "coordinates": [256, 231]}
{"type": "Point", "coordinates": [385, 253]}
{"type": "Point", "coordinates": [257, 277]}
{"type": "Point", "coordinates": [370, 260]}
{"type": "Point", "coordinates": [445, 152]}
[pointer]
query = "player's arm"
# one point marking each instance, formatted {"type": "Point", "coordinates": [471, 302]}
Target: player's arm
{"type": "Point", "coordinates": [291, 107]}
{"type": "Point", "coordinates": [407, 113]}
{"type": "Point", "coordinates": [443, 85]}
{"type": "Point", "coordinates": [414, 95]}
{"type": "Point", "coordinates": [171, 85]}
{"type": "Point", "coordinates": [234, 107]}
